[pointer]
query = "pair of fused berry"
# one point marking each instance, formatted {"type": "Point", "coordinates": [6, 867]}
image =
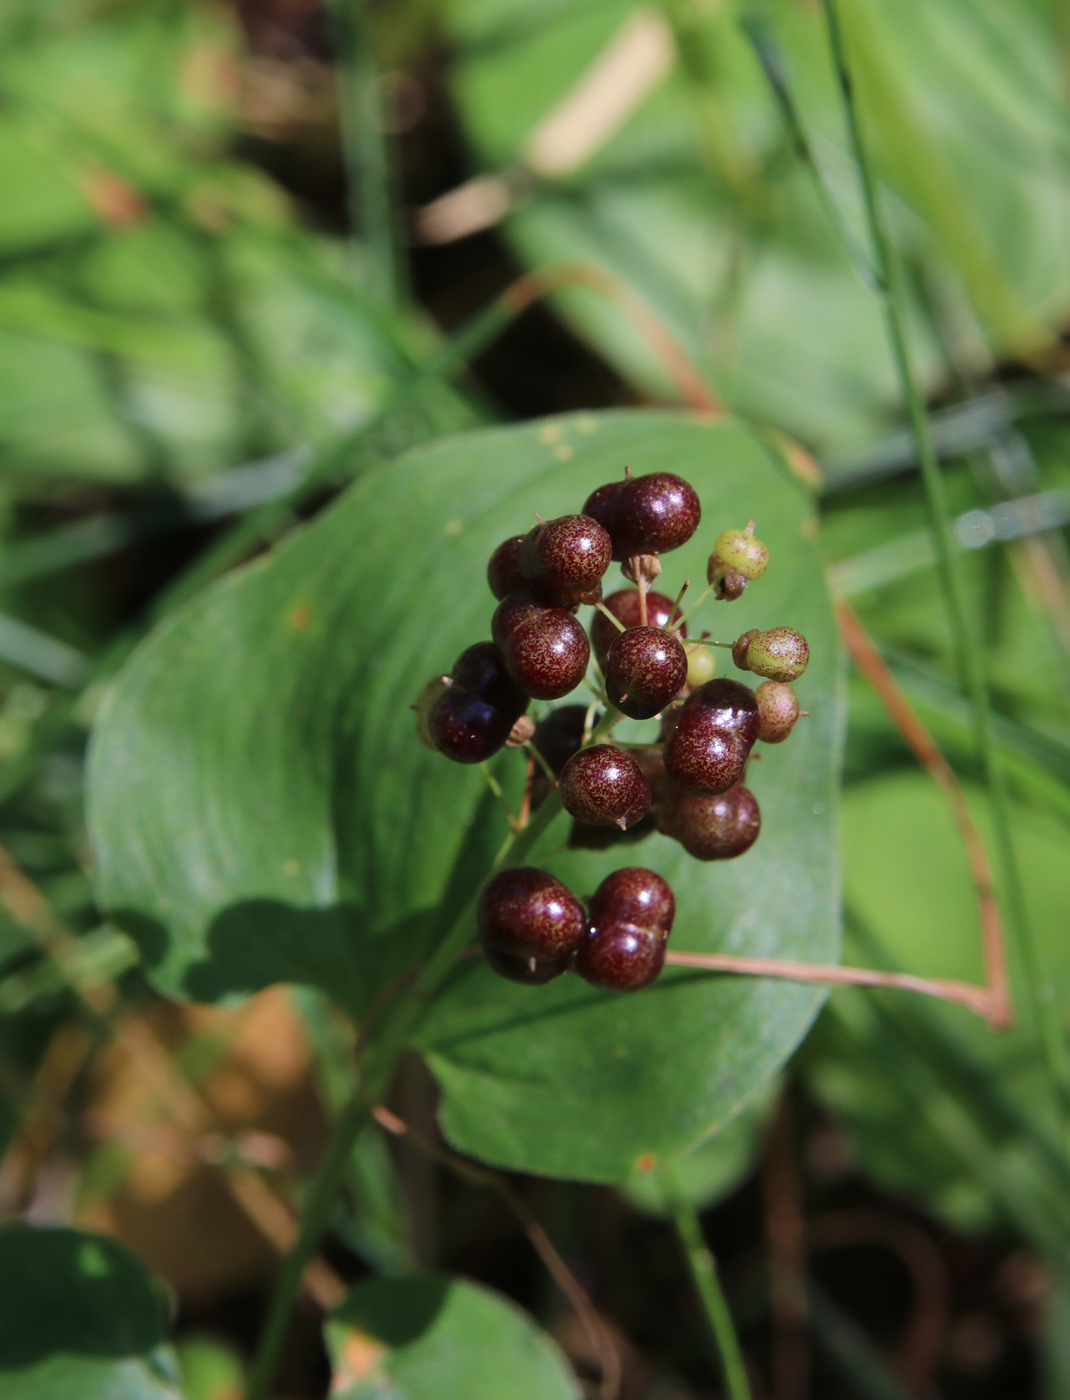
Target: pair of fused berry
{"type": "Point", "coordinates": [533, 928]}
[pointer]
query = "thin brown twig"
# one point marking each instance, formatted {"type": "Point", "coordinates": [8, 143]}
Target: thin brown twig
{"type": "Point", "coordinates": [599, 1336]}
{"type": "Point", "coordinates": [872, 665]}
{"type": "Point", "coordinates": [978, 999]}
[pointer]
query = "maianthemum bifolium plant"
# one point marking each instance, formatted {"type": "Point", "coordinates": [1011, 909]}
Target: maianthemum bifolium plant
{"type": "Point", "coordinates": [690, 783]}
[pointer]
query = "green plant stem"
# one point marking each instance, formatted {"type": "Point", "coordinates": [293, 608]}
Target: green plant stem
{"type": "Point", "coordinates": [314, 1217]}
{"type": "Point", "coordinates": [367, 156]}
{"type": "Point", "coordinates": [969, 655]}
{"type": "Point", "coordinates": [703, 1268]}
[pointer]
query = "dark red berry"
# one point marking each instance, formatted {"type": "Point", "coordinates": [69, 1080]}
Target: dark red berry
{"type": "Point", "coordinates": [599, 503]}
{"type": "Point", "coordinates": [546, 650]}
{"type": "Point", "coordinates": [646, 668]}
{"type": "Point", "coordinates": [476, 708]}
{"type": "Point", "coordinates": [702, 756]}
{"type": "Point", "coordinates": [731, 705]}
{"type": "Point", "coordinates": [778, 709]}
{"type": "Point", "coordinates": [527, 914]}
{"type": "Point", "coordinates": [532, 972]}
{"type": "Point", "coordinates": [634, 895]}
{"type": "Point", "coordinates": [631, 915]}
{"type": "Point", "coordinates": [604, 786]}
{"type": "Point", "coordinates": [624, 605]}
{"type": "Point", "coordinates": [481, 670]}
{"type": "Point", "coordinates": [566, 559]}
{"type": "Point", "coordinates": [560, 734]}
{"type": "Point", "coordinates": [504, 573]}
{"type": "Point", "coordinates": [713, 828]}
{"type": "Point", "coordinates": [621, 958]}
{"type": "Point", "coordinates": [652, 514]}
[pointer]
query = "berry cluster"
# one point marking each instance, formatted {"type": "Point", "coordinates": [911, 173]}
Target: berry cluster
{"type": "Point", "coordinates": [691, 783]}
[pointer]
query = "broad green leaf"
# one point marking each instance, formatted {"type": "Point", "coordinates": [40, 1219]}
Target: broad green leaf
{"type": "Point", "coordinates": [708, 1174]}
{"type": "Point", "coordinates": [261, 809]}
{"type": "Point", "coordinates": [79, 1317]}
{"type": "Point", "coordinates": [427, 1337]}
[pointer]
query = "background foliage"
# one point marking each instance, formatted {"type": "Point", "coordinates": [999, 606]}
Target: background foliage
{"type": "Point", "coordinates": [234, 311]}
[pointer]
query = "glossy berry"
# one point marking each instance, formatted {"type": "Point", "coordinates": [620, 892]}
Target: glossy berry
{"type": "Point", "coordinates": [560, 734]}
{"type": "Point", "coordinates": [546, 650]}
{"type": "Point", "coordinates": [702, 756]}
{"type": "Point", "coordinates": [731, 705]}
{"type": "Point", "coordinates": [624, 605]}
{"type": "Point", "coordinates": [604, 786]}
{"type": "Point", "coordinates": [532, 972]}
{"type": "Point", "coordinates": [631, 916]}
{"type": "Point", "coordinates": [778, 709]}
{"type": "Point", "coordinates": [566, 559]}
{"type": "Point", "coordinates": [425, 703]}
{"type": "Point", "coordinates": [599, 503]}
{"type": "Point", "coordinates": [475, 710]}
{"type": "Point", "coordinates": [621, 958]}
{"type": "Point", "coordinates": [504, 573]}
{"type": "Point", "coordinates": [528, 916]}
{"type": "Point", "coordinates": [652, 514]}
{"type": "Point", "coordinates": [646, 668]}
{"type": "Point", "coordinates": [781, 654]}
{"type": "Point", "coordinates": [718, 827]}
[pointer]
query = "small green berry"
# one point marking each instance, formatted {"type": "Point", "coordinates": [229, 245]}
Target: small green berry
{"type": "Point", "coordinates": [701, 667]}
{"type": "Point", "coordinates": [425, 703]}
{"type": "Point", "coordinates": [781, 654]}
{"type": "Point", "coordinates": [742, 551]}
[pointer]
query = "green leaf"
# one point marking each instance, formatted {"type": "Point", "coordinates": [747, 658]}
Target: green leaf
{"type": "Point", "coordinates": [261, 809]}
{"type": "Point", "coordinates": [79, 1317]}
{"type": "Point", "coordinates": [427, 1337]}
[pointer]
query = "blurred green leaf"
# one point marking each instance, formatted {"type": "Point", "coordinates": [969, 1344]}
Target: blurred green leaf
{"type": "Point", "coordinates": [79, 1317]}
{"type": "Point", "coordinates": [698, 203]}
{"type": "Point", "coordinates": [261, 809]}
{"type": "Point", "coordinates": [428, 1337]}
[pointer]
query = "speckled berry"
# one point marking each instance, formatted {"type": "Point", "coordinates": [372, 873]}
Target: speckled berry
{"type": "Point", "coordinates": [631, 915]}
{"type": "Point", "coordinates": [740, 550]}
{"type": "Point", "coordinates": [781, 654]}
{"type": "Point", "coordinates": [605, 786]}
{"type": "Point", "coordinates": [528, 914]}
{"type": "Point", "coordinates": [566, 559]}
{"type": "Point", "coordinates": [624, 605]}
{"type": "Point", "coordinates": [646, 668]}
{"type": "Point", "coordinates": [730, 704]}
{"type": "Point", "coordinates": [600, 502]}
{"type": "Point", "coordinates": [531, 972]}
{"type": "Point", "coordinates": [652, 514]}
{"type": "Point", "coordinates": [473, 713]}
{"type": "Point", "coordinates": [778, 709]}
{"type": "Point", "coordinates": [504, 573]}
{"type": "Point", "coordinates": [546, 650]}
{"type": "Point", "coordinates": [560, 734]}
{"type": "Point", "coordinates": [621, 958]}
{"type": "Point", "coordinates": [718, 827]}
{"type": "Point", "coordinates": [702, 756]}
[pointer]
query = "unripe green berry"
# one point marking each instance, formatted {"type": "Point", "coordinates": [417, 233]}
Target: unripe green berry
{"type": "Point", "coordinates": [740, 550]}
{"type": "Point", "coordinates": [781, 654]}
{"type": "Point", "coordinates": [778, 709]}
{"type": "Point", "coordinates": [701, 667]}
